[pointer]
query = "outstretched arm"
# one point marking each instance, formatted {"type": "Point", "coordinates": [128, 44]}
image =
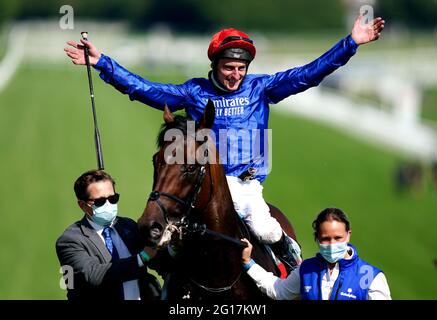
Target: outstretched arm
{"type": "Point", "coordinates": [295, 80]}
{"type": "Point", "coordinates": [153, 94]}
{"type": "Point", "coordinates": [363, 33]}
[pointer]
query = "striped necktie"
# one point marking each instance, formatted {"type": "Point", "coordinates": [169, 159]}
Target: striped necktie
{"type": "Point", "coordinates": [113, 251]}
{"type": "Point", "coordinates": [109, 243]}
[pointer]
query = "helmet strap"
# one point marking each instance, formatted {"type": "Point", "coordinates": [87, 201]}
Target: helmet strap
{"type": "Point", "coordinates": [217, 84]}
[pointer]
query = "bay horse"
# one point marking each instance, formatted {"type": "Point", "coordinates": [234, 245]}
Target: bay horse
{"type": "Point", "coordinates": [191, 209]}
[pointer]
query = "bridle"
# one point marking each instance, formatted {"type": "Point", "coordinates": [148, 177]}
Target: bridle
{"type": "Point", "coordinates": [188, 204]}
{"type": "Point", "coordinates": [186, 224]}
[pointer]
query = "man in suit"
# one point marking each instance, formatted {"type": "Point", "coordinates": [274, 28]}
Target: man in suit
{"type": "Point", "coordinates": [105, 251]}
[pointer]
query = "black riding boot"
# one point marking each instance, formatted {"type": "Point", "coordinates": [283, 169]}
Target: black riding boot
{"type": "Point", "coordinates": [287, 252]}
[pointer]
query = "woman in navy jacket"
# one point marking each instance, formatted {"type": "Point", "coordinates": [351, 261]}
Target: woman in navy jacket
{"type": "Point", "coordinates": [335, 273]}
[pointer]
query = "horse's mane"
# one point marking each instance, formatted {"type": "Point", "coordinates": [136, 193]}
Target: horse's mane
{"type": "Point", "coordinates": [179, 123]}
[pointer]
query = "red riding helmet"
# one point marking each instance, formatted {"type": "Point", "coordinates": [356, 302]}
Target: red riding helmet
{"type": "Point", "coordinates": [234, 40]}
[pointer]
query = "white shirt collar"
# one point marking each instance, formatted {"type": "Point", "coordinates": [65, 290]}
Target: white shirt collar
{"type": "Point", "coordinates": [97, 227]}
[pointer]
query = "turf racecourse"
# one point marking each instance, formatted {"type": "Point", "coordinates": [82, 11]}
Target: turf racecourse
{"type": "Point", "coordinates": [46, 141]}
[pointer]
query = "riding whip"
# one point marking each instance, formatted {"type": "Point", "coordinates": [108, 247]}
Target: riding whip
{"type": "Point", "coordinates": [96, 129]}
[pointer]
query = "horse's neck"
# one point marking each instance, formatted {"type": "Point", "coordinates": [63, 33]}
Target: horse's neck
{"type": "Point", "coordinates": [214, 262]}
{"type": "Point", "coordinates": [221, 215]}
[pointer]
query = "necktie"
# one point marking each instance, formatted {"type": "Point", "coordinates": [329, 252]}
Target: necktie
{"type": "Point", "coordinates": [113, 250]}
{"type": "Point", "coordinates": [109, 244]}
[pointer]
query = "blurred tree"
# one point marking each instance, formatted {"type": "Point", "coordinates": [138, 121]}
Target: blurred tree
{"type": "Point", "coordinates": [180, 15]}
{"type": "Point", "coordinates": [97, 9]}
{"type": "Point", "coordinates": [415, 14]}
{"type": "Point", "coordinates": [279, 15]}
{"type": "Point", "coordinates": [111, 9]}
{"type": "Point", "coordinates": [200, 16]}
{"type": "Point", "coordinates": [41, 9]}
{"type": "Point", "coordinates": [283, 16]}
{"type": "Point", "coordinates": [8, 10]}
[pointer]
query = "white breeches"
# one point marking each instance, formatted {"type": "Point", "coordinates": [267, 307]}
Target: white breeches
{"type": "Point", "coordinates": [250, 205]}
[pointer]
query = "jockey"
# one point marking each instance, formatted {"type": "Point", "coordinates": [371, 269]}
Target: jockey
{"type": "Point", "coordinates": [241, 103]}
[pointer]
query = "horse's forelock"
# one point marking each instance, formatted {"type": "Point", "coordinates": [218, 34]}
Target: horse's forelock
{"type": "Point", "coordinates": [179, 123]}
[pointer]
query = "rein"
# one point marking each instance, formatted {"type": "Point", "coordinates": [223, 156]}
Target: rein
{"type": "Point", "coordinates": [217, 290]}
{"type": "Point", "coordinates": [203, 231]}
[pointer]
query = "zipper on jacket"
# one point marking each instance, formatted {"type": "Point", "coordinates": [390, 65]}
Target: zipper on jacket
{"type": "Point", "coordinates": [338, 288]}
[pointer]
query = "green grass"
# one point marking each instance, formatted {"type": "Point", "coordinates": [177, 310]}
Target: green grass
{"type": "Point", "coordinates": [46, 141]}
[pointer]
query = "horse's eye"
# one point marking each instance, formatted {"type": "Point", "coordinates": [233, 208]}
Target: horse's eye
{"type": "Point", "coordinates": [157, 165]}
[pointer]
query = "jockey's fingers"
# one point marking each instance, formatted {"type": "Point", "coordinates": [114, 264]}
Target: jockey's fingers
{"type": "Point", "coordinates": [72, 43]}
{"type": "Point", "coordinates": [70, 50]}
{"type": "Point", "coordinates": [75, 45]}
{"type": "Point", "coordinates": [72, 55]}
{"type": "Point", "coordinates": [249, 245]}
{"type": "Point", "coordinates": [86, 43]}
{"type": "Point", "coordinates": [379, 23]}
{"type": "Point", "coordinates": [378, 29]}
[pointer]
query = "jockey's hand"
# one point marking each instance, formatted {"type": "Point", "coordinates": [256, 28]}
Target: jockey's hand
{"type": "Point", "coordinates": [367, 32]}
{"type": "Point", "coordinates": [247, 252]}
{"type": "Point", "coordinates": [76, 52]}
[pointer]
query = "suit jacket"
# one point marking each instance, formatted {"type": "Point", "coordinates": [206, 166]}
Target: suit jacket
{"type": "Point", "coordinates": [95, 275]}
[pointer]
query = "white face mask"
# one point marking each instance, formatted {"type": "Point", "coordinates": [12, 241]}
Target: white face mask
{"type": "Point", "coordinates": [104, 215]}
{"type": "Point", "coordinates": [333, 252]}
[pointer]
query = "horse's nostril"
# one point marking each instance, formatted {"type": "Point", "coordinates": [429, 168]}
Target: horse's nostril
{"type": "Point", "coordinates": [156, 225]}
{"type": "Point", "coordinates": [156, 230]}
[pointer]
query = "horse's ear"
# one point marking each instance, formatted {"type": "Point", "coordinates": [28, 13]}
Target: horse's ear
{"type": "Point", "coordinates": [208, 116]}
{"type": "Point", "coordinates": [168, 116]}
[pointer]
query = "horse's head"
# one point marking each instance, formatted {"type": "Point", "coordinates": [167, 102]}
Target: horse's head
{"type": "Point", "coordinates": [182, 178]}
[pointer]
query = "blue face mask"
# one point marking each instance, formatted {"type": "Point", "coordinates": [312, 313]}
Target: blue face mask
{"type": "Point", "coordinates": [105, 214]}
{"type": "Point", "coordinates": [333, 252]}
